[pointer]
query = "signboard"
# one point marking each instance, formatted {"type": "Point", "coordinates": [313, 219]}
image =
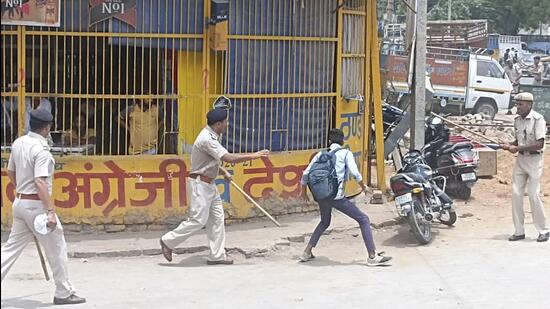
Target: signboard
{"type": "Point", "coordinates": [442, 72]}
{"type": "Point", "coordinates": [124, 10]}
{"type": "Point", "coordinates": [31, 12]}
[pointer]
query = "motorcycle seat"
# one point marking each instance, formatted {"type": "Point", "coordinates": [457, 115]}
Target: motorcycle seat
{"type": "Point", "coordinates": [410, 177]}
{"type": "Point", "coordinates": [447, 148]}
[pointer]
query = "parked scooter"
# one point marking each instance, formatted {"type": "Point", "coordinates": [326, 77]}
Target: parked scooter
{"type": "Point", "coordinates": [457, 162]}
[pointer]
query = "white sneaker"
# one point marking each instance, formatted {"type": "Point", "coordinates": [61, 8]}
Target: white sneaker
{"type": "Point", "coordinates": [306, 257]}
{"type": "Point", "coordinates": [379, 260]}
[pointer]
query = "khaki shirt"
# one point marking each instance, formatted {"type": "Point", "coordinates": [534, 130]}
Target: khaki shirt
{"type": "Point", "coordinates": [537, 72]}
{"type": "Point", "coordinates": [144, 128]}
{"type": "Point", "coordinates": [514, 73]}
{"type": "Point", "coordinates": [31, 158]}
{"type": "Point", "coordinates": [207, 153]}
{"type": "Point", "coordinates": [529, 129]}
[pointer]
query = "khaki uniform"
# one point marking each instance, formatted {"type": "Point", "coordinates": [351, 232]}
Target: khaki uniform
{"type": "Point", "coordinates": [527, 173]}
{"type": "Point", "coordinates": [537, 74]}
{"type": "Point", "coordinates": [30, 158]}
{"type": "Point", "coordinates": [513, 74]}
{"type": "Point", "coordinates": [205, 207]}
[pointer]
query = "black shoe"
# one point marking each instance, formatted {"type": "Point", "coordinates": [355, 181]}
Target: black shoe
{"type": "Point", "coordinates": [71, 300]}
{"type": "Point", "coordinates": [543, 237]}
{"type": "Point", "coordinates": [166, 252]}
{"type": "Point", "coordinates": [516, 237]}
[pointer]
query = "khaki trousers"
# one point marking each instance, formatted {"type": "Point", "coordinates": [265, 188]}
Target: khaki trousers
{"type": "Point", "coordinates": [55, 247]}
{"type": "Point", "coordinates": [526, 175]}
{"type": "Point", "coordinates": [205, 209]}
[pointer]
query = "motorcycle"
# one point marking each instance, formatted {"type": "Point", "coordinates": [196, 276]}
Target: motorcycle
{"type": "Point", "coordinates": [457, 162]}
{"type": "Point", "coordinates": [419, 198]}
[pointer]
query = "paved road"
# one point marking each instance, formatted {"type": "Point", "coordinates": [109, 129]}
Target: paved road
{"type": "Point", "coordinates": [468, 266]}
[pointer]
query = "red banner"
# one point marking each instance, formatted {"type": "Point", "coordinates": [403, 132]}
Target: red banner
{"type": "Point", "coordinates": [31, 13]}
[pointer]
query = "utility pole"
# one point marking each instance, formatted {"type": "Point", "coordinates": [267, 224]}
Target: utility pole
{"type": "Point", "coordinates": [449, 9]}
{"type": "Point", "coordinates": [419, 104]}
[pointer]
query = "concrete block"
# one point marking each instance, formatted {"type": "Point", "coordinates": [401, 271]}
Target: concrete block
{"type": "Point", "coordinates": [377, 197]}
{"type": "Point", "coordinates": [156, 227]}
{"type": "Point", "coordinates": [136, 218]}
{"type": "Point", "coordinates": [128, 253]}
{"type": "Point", "coordinates": [151, 252]}
{"type": "Point", "coordinates": [109, 254]}
{"type": "Point", "coordinates": [136, 227]}
{"type": "Point", "coordinates": [72, 227]}
{"type": "Point", "coordinates": [487, 162]}
{"type": "Point", "coordinates": [80, 255]}
{"type": "Point", "coordinates": [113, 228]}
{"type": "Point", "coordinates": [90, 228]}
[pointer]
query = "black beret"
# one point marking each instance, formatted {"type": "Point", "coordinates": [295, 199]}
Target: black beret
{"type": "Point", "coordinates": [216, 115]}
{"type": "Point", "coordinates": [41, 114]}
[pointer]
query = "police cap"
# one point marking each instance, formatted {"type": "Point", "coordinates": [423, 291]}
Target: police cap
{"type": "Point", "coordinates": [41, 114]}
{"type": "Point", "coordinates": [524, 96]}
{"type": "Point", "coordinates": [216, 115]}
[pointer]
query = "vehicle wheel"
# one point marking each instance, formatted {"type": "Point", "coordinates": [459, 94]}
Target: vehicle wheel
{"type": "Point", "coordinates": [463, 192]}
{"type": "Point", "coordinates": [421, 228]}
{"type": "Point", "coordinates": [486, 108]}
{"type": "Point", "coordinates": [448, 217]}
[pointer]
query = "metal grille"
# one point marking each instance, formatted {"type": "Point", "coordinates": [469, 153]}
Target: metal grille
{"type": "Point", "coordinates": [111, 86]}
{"type": "Point", "coordinates": [279, 71]}
{"type": "Point", "coordinates": [118, 89]}
{"type": "Point", "coordinates": [353, 63]}
{"type": "Point", "coordinates": [9, 84]}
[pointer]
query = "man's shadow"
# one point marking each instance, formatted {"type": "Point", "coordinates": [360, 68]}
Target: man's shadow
{"type": "Point", "coordinates": [404, 238]}
{"type": "Point", "coordinates": [323, 261]}
{"type": "Point", "coordinates": [198, 261]}
{"type": "Point", "coordinates": [22, 302]}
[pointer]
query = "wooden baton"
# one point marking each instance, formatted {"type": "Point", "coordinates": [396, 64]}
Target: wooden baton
{"type": "Point", "coordinates": [42, 260]}
{"type": "Point", "coordinates": [465, 129]}
{"type": "Point", "coordinates": [248, 197]}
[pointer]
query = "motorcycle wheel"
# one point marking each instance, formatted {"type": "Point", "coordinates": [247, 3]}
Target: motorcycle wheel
{"type": "Point", "coordinates": [463, 192]}
{"type": "Point", "coordinates": [448, 217]}
{"type": "Point", "coordinates": [421, 228]}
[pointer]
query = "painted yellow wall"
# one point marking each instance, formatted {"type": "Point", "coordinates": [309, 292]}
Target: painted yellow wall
{"type": "Point", "coordinates": [99, 190]}
{"type": "Point", "coordinates": [190, 90]}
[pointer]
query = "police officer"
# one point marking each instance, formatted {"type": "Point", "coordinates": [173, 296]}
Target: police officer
{"type": "Point", "coordinates": [530, 130]}
{"type": "Point", "coordinates": [205, 208]}
{"type": "Point", "coordinates": [30, 169]}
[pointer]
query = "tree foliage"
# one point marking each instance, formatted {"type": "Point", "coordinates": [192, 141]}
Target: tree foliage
{"type": "Point", "coordinates": [504, 17]}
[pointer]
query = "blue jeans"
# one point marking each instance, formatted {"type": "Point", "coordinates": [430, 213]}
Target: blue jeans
{"type": "Point", "coordinates": [348, 208]}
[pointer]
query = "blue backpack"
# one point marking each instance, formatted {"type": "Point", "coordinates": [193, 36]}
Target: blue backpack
{"type": "Point", "coordinates": [322, 179]}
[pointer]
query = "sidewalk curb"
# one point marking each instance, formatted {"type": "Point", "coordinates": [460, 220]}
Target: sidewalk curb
{"type": "Point", "coordinates": [246, 252]}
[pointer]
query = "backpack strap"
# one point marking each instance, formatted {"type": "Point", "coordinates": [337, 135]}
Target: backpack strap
{"type": "Point", "coordinates": [333, 152]}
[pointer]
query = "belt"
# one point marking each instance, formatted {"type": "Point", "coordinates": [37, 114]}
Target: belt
{"type": "Point", "coordinates": [22, 196]}
{"type": "Point", "coordinates": [203, 178]}
{"type": "Point", "coordinates": [530, 152]}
